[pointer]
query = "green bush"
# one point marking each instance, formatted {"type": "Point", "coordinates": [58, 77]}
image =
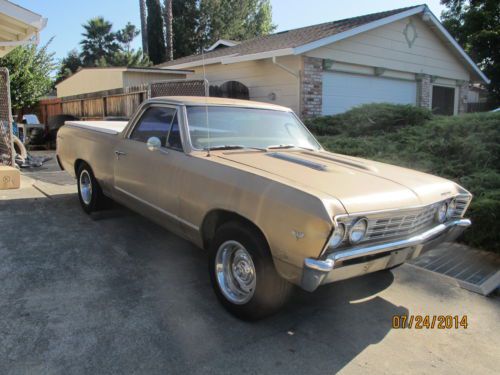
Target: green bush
{"type": "Point", "coordinates": [463, 148]}
{"type": "Point", "coordinates": [370, 119]}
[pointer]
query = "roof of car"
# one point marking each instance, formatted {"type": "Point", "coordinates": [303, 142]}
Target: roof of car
{"type": "Point", "coordinates": [211, 101]}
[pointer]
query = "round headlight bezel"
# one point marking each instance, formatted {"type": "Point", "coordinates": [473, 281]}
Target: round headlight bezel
{"type": "Point", "coordinates": [338, 235]}
{"type": "Point", "coordinates": [442, 212]}
{"type": "Point", "coordinates": [361, 221]}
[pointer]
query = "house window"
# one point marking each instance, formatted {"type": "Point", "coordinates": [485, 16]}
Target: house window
{"type": "Point", "coordinates": [443, 100]}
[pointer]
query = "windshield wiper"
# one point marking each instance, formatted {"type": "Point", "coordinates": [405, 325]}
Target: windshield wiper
{"type": "Point", "coordinates": [233, 147]}
{"type": "Point", "coordinates": [276, 147]}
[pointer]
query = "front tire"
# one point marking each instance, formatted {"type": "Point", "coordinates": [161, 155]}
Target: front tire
{"type": "Point", "coordinates": [89, 192]}
{"type": "Point", "coordinates": [243, 274]}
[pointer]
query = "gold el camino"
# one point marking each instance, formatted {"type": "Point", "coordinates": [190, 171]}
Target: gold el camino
{"type": "Point", "coordinates": [248, 182]}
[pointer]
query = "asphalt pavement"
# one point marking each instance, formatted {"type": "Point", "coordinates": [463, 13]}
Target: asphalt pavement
{"type": "Point", "coordinates": [116, 294]}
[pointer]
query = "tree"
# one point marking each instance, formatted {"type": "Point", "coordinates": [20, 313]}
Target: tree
{"type": "Point", "coordinates": [186, 40]}
{"type": "Point", "coordinates": [144, 29]}
{"type": "Point", "coordinates": [30, 70]}
{"type": "Point", "coordinates": [156, 37]}
{"type": "Point", "coordinates": [99, 41]}
{"type": "Point", "coordinates": [231, 19]}
{"type": "Point", "coordinates": [475, 24]}
{"type": "Point", "coordinates": [126, 35]}
{"type": "Point", "coordinates": [168, 19]}
{"type": "Point", "coordinates": [69, 65]}
{"type": "Point", "coordinates": [126, 58]}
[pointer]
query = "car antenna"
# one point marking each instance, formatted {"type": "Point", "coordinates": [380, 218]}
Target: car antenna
{"type": "Point", "coordinates": [207, 92]}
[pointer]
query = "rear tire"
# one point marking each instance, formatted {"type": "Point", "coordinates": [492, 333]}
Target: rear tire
{"type": "Point", "coordinates": [243, 274]}
{"type": "Point", "coordinates": [89, 192]}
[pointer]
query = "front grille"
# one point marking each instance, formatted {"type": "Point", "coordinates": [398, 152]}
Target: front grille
{"type": "Point", "coordinates": [393, 225]}
{"type": "Point", "coordinates": [401, 225]}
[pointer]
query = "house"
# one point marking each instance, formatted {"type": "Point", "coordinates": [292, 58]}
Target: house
{"type": "Point", "coordinates": [18, 26]}
{"type": "Point", "coordinates": [87, 80]}
{"type": "Point", "coordinates": [398, 56]}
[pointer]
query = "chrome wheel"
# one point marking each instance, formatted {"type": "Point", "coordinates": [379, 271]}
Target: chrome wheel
{"type": "Point", "coordinates": [85, 183]}
{"type": "Point", "coordinates": [235, 272]}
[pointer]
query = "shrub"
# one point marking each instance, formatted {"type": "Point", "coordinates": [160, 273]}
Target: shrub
{"type": "Point", "coordinates": [463, 148]}
{"type": "Point", "coordinates": [370, 119]}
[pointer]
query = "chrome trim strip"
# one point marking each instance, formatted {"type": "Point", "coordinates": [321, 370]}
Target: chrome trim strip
{"type": "Point", "coordinates": [316, 270]}
{"type": "Point", "coordinates": [412, 241]}
{"type": "Point", "coordinates": [366, 213]}
{"type": "Point", "coordinates": [169, 214]}
{"type": "Point", "coordinates": [360, 251]}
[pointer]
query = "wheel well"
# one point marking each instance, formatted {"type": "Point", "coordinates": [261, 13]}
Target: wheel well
{"type": "Point", "coordinates": [214, 219]}
{"type": "Point", "coordinates": [78, 162]}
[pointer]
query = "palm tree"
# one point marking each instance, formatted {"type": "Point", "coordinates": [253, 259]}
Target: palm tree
{"type": "Point", "coordinates": [144, 29]}
{"type": "Point", "coordinates": [99, 42]}
{"type": "Point", "coordinates": [168, 16]}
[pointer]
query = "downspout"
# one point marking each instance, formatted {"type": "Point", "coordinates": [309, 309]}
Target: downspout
{"type": "Point", "coordinates": [293, 73]}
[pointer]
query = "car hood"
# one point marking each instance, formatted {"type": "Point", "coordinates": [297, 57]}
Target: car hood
{"type": "Point", "coordinates": [360, 185]}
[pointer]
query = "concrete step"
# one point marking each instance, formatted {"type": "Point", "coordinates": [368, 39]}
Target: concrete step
{"type": "Point", "coordinates": [474, 270]}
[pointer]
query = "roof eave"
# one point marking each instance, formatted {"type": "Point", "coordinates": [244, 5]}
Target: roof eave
{"type": "Point", "coordinates": [358, 30]}
{"type": "Point", "coordinates": [475, 69]}
{"type": "Point", "coordinates": [234, 58]}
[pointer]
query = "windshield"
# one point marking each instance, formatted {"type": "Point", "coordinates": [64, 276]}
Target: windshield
{"type": "Point", "coordinates": [31, 119]}
{"type": "Point", "coordinates": [234, 127]}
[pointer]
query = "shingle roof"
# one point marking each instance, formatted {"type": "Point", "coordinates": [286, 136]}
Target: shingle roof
{"type": "Point", "coordinates": [289, 39]}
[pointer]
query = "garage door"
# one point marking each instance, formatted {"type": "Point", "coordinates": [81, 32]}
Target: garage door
{"type": "Point", "coordinates": [342, 91]}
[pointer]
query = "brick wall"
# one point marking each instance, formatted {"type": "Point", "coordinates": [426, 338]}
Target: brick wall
{"type": "Point", "coordinates": [424, 88]}
{"type": "Point", "coordinates": [311, 85]}
{"type": "Point", "coordinates": [463, 92]}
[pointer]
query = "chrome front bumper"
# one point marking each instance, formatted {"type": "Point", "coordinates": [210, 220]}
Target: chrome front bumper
{"type": "Point", "coordinates": [356, 261]}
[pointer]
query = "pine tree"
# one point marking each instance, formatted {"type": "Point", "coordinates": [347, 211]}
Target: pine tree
{"type": "Point", "coordinates": [185, 23]}
{"type": "Point", "coordinates": [156, 37]}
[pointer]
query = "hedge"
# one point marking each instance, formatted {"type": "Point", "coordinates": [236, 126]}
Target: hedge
{"type": "Point", "coordinates": [463, 148]}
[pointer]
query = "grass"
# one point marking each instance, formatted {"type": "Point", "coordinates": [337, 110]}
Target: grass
{"type": "Point", "coordinates": [464, 148]}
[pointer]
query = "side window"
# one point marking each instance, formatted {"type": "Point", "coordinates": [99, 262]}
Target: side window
{"type": "Point", "coordinates": [155, 122]}
{"type": "Point", "coordinates": [174, 136]}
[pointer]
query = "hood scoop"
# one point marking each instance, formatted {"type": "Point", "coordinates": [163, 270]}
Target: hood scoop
{"type": "Point", "coordinates": [300, 161]}
{"type": "Point", "coordinates": [345, 161]}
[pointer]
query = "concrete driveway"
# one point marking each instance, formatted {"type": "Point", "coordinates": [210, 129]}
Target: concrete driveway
{"type": "Point", "coordinates": [115, 294]}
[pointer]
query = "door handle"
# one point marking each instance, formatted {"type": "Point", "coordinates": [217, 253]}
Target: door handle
{"type": "Point", "coordinates": [119, 153]}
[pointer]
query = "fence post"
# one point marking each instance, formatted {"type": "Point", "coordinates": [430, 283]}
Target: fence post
{"type": "Point", "coordinates": [5, 110]}
{"type": "Point", "coordinates": [104, 106]}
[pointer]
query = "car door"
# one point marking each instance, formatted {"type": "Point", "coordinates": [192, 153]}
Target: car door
{"type": "Point", "coordinates": [139, 172]}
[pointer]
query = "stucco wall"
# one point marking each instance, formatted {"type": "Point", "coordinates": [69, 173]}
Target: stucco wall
{"type": "Point", "coordinates": [262, 78]}
{"type": "Point", "coordinates": [90, 80]}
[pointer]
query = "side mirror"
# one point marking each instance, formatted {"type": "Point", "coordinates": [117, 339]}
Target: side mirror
{"type": "Point", "coordinates": [153, 144]}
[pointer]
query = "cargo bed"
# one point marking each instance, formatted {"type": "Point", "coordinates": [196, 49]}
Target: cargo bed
{"type": "Point", "coordinates": [109, 127]}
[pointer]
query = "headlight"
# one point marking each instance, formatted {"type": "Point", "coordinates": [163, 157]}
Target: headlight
{"type": "Point", "coordinates": [358, 231]}
{"type": "Point", "coordinates": [337, 236]}
{"type": "Point", "coordinates": [452, 207]}
{"type": "Point", "coordinates": [441, 213]}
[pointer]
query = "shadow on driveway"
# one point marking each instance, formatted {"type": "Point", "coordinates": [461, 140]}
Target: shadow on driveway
{"type": "Point", "coordinates": [116, 293]}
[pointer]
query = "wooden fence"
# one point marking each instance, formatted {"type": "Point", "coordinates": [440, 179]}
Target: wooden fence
{"type": "Point", "coordinates": [123, 102]}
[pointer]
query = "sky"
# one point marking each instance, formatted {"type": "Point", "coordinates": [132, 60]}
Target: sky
{"type": "Point", "coordinates": [65, 17]}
